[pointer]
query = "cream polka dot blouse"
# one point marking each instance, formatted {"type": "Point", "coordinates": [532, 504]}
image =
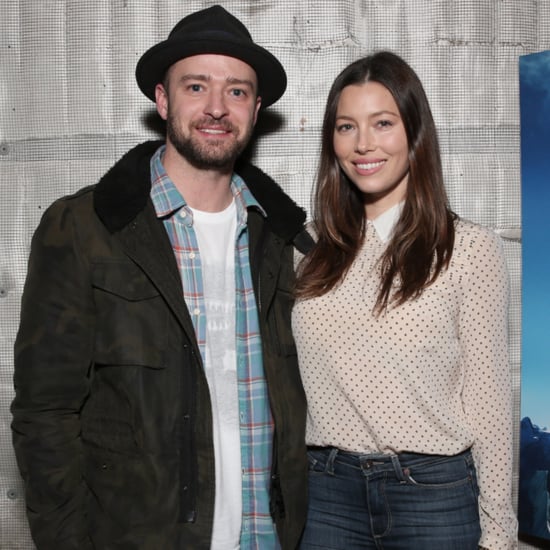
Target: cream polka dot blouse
{"type": "Point", "coordinates": [430, 376]}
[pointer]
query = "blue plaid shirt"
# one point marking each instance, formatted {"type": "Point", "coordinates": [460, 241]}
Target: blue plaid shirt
{"type": "Point", "coordinates": [256, 423]}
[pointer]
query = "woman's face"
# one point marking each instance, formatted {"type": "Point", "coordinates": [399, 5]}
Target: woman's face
{"type": "Point", "coordinates": [371, 146]}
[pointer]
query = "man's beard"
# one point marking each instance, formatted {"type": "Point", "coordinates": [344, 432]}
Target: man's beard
{"type": "Point", "coordinates": [215, 153]}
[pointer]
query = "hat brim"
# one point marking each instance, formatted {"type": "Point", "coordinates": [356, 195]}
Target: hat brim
{"type": "Point", "coordinates": [154, 63]}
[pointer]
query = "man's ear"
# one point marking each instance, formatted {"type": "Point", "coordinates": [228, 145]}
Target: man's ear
{"type": "Point", "coordinates": [257, 108]}
{"type": "Point", "coordinates": [161, 100]}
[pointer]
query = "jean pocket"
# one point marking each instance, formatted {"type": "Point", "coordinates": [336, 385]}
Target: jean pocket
{"type": "Point", "coordinates": [316, 462]}
{"type": "Point", "coordinates": [441, 473]}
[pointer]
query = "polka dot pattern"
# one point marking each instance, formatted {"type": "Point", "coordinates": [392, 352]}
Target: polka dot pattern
{"type": "Point", "coordinates": [431, 376]}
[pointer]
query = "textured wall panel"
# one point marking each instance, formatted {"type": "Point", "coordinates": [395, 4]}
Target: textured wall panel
{"type": "Point", "coordinates": [69, 106]}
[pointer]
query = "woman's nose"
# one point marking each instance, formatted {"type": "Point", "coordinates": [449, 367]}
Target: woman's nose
{"type": "Point", "coordinates": [365, 142]}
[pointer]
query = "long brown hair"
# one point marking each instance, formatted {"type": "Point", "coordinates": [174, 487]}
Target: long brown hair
{"type": "Point", "coordinates": [422, 242]}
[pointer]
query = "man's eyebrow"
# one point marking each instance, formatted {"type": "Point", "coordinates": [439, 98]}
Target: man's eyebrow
{"type": "Point", "coordinates": [201, 77]}
{"type": "Point", "coordinates": [240, 81]}
{"type": "Point", "coordinates": [229, 79]}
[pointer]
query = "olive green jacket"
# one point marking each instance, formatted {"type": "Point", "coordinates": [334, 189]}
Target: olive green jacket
{"type": "Point", "coordinates": [112, 422]}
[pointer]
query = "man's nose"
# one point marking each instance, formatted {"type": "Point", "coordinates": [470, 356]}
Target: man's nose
{"type": "Point", "coordinates": [216, 105]}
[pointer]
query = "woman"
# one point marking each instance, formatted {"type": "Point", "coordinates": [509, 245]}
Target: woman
{"type": "Point", "coordinates": [401, 327]}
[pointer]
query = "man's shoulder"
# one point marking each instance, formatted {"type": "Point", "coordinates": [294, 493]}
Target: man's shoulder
{"type": "Point", "coordinates": [79, 199]}
{"type": "Point", "coordinates": [118, 171]}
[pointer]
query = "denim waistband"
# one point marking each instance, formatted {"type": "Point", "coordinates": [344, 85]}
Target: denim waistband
{"type": "Point", "coordinates": [400, 462]}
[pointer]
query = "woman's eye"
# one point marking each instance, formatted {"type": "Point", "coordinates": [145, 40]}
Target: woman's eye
{"type": "Point", "coordinates": [344, 127]}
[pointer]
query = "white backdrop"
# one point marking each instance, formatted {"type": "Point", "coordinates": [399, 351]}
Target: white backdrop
{"type": "Point", "coordinates": [69, 106]}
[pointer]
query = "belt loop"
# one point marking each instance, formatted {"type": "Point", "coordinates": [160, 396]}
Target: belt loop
{"type": "Point", "coordinates": [329, 468]}
{"type": "Point", "coordinates": [397, 468]}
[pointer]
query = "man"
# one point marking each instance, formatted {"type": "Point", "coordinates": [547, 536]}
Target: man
{"type": "Point", "coordinates": [158, 401]}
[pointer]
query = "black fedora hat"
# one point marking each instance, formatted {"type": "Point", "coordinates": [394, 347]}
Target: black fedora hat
{"type": "Point", "coordinates": [212, 30]}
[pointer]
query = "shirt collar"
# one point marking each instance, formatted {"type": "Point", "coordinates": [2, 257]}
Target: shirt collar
{"type": "Point", "coordinates": [167, 199]}
{"type": "Point", "coordinates": [386, 222]}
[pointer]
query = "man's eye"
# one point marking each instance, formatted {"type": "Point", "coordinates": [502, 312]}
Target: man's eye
{"type": "Point", "coordinates": [237, 92]}
{"type": "Point", "coordinates": [195, 87]}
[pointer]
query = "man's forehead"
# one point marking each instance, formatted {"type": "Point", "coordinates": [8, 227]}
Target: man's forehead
{"type": "Point", "coordinates": [215, 66]}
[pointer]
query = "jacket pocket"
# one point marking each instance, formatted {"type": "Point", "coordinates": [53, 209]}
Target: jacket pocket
{"type": "Point", "coordinates": [130, 490]}
{"type": "Point", "coordinates": [131, 316]}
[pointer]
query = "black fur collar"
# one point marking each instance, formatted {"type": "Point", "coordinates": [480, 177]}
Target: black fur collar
{"type": "Point", "coordinates": [124, 190]}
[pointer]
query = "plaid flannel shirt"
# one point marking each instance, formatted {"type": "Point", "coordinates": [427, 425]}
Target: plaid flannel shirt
{"type": "Point", "coordinates": [256, 423]}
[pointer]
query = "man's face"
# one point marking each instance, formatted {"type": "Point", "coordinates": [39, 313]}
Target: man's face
{"type": "Point", "coordinates": [210, 105]}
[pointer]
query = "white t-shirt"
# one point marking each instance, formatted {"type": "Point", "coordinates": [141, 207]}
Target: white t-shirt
{"type": "Point", "coordinates": [215, 233]}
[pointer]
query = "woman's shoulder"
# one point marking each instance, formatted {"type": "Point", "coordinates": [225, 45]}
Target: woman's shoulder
{"type": "Point", "coordinates": [467, 229]}
{"type": "Point", "coordinates": [474, 238]}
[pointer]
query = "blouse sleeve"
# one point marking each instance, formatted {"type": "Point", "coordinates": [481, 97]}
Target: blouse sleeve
{"type": "Point", "coordinates": [487, 395]}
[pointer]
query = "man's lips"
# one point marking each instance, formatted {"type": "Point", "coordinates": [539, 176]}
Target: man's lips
{"type": "Point", "coordinates": [214, 131]}
{"type": "Point", "coordinates": [214, 128]}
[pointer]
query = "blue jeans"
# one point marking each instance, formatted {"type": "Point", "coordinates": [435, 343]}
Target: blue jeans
{"type": "Point", "coordinates": [391, 502]}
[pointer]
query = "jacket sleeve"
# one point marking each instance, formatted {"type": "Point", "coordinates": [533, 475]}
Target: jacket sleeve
{"type": "Point", "coordinates": [53, 351]}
